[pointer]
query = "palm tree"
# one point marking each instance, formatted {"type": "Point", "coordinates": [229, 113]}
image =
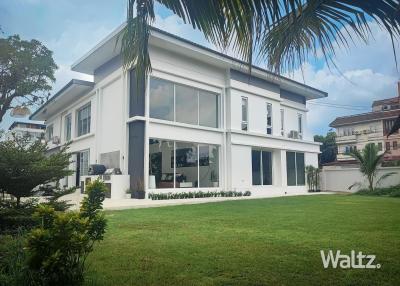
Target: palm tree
{"type": "Point", "coordinates": [369, 160]}
{"type": "Point", "coordinates": [281, 33]}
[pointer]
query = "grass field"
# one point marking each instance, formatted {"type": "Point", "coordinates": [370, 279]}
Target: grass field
{"type": "Point", "coordinates": [250, 242]}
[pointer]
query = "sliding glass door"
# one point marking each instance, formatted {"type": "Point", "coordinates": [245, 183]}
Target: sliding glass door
{"type": "Point", "coordinates": [261, 162]}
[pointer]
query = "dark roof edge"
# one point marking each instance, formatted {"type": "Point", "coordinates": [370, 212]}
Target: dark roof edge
{"type": "Point", "coordinates": [355, 115]}
{"type": "Point", "coordinates": [60, 92]}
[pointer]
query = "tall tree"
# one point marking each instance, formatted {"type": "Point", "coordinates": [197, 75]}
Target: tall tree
{"type": "Point", "coordinates": [26, 73]}
{"type": "Point", "coordinates": [328, 148]}
{"type": "Point", "coordinates": [281, 33]}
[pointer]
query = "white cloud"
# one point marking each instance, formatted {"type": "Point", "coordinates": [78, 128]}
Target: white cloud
{"type": "Point", "coordinates": [368, 73]}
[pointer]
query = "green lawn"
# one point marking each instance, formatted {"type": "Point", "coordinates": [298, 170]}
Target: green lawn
{"type": "Point", "coordinates": [250, 242]}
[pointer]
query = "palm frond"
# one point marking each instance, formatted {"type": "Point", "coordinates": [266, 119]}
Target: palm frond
{"type": "Point", "coordinates": [281, 33]}
{"type": "Point", "coordinates": [383, 177]}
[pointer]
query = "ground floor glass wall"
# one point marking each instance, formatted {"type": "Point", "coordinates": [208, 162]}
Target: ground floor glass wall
{"type": "Point", "coordinates": [174, 164]}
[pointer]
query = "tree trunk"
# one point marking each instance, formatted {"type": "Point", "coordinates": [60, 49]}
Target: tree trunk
{"type": "Point", "coordinates": [18, 201]}
{"type": "Point", "coordinates": [371, 183]}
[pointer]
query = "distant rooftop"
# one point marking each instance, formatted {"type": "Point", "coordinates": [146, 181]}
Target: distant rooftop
{"type": "Point", "coordinates": [364, 117]}
{"type": "Point", "coordinates": [392, 100]}
{"type": "Point", "coordinates": [32, 125]}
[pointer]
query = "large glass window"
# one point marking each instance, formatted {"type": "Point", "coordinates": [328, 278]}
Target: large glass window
{"type": "Point", "coordinates": [208, 109]}
{"type": "Point", "coordinates": [245, 114]}
{"type": "Point", "coordinates": [161, 164]}
{"type": "Point", "coordinates": [208, 166]}
{"type": "Point", "coordinates": [261, 167]}
{"type": "Point", "coordinates": [161, 99]}
{"type": "Point", "coordinates": [83, 122]}
{"type": "Point", "coordinates": [295, 169]}
{"type": "Point", "coordinates": [186, 165]}
{"type": "Point", "coordinates": [185, 104]}
{"type": "Point", "coordinates": [67, 126]}
{"type": "Point", "coordinates": [182, 165]}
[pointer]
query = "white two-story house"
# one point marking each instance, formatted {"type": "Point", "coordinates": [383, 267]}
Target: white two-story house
{"type": "Point", "coordinates": [201, 122]}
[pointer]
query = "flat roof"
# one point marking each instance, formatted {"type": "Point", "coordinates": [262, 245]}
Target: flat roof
{"type": "Point", "coordinates": [74, 88]}
{"type": "Point", "coordinates": [109, 47]}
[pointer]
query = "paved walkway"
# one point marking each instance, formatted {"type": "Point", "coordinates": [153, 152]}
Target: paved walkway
{"type": "Point", "coordinates": [122, 204]}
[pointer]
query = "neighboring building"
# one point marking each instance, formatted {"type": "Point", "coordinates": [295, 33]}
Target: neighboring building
{"type": "Point", "coordinates": [201, 123]}
{"type": "Point", "coordinates": [20, 129]}
{"type": "Point", "coordinates": [354, 131]}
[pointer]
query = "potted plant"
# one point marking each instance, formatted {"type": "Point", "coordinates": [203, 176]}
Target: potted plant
{"type": "Point", "coordinates": [138, 191]}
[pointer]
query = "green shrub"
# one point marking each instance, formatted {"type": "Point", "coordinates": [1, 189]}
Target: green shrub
{"type": "Point", "coordinates": [198, 194]}
{"type": "Point", "coordinates": [13, 270]}
{"type": "Point", "coordinates": [393, 191]}
{"type": "Point", "coordinates": [57, 250]}
{"type": "Point", "coordinates": [13, 217]}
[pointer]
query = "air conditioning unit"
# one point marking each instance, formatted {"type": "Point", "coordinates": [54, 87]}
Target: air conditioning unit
{"type": "Point", "coordinates": [55, 140]}
{"type": "Point", "coordinates": [294, 134]}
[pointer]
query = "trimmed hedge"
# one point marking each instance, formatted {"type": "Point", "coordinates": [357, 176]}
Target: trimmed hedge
{"type": "Point", "coordinates": [393, 191]}
{"type": "Point", "coordinates": [199, 194]}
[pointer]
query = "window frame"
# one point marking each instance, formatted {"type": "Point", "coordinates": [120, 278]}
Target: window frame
{"type": "Point", "coordinates": [81, 162]}
{"type": "Point", "coordinates": [47, 132]}
{"type": "Point", "coordinates": [197, 92]}
{"type": "Point", "coordinates": [300, 123]}
{"type": "Point", "coordinates": [269, 128]}
{"type": "Point", "coordinates": [244, 123]}
{"type": "Point", "coordinates": [282, 121]}
{"type": "Point", "coordinates": [68, 127]}
{"type": "Point", "coordinates": [261, 166]}
{"type": "Point", "coordinates": [78, 120]}
{"type": "Point", "coordinates": [296, 168]}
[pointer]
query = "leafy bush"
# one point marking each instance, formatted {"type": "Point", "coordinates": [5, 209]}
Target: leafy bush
{"type": "Point", "coordinates": [57, 250]}
{"type": "Point", "coordinates": [199, 194]}
{"type": "Point", "coordinates": [312, 176]}
{"type": "Point", "coordinates": [13, 270]}
{"type": "Point", "coordinates": [393, 191]}
{"type": "Point", "coordinates": [13, 217]}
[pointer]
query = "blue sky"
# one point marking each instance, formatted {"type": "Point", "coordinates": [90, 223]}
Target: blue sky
{"type": "Point", "coordinates": [72, 27]}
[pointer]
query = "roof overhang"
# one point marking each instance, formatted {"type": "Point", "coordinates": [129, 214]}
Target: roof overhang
{"type": "Point", "coordinates": [69, 93]}
{"type": "Point", "coordinates": [110, 47]}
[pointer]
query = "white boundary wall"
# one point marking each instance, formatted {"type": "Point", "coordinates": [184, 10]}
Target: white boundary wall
{"type": "Point", "coordinates": [338, 178]}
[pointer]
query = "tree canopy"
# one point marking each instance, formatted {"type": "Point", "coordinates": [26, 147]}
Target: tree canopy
{"type": "Point", "coordinates": [328, 148]}
{"type": "Point", "coordinates": [26, 73]}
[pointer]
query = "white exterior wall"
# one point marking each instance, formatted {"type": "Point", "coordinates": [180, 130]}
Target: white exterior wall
{"type": "Point", "coordinates": [339, 179]}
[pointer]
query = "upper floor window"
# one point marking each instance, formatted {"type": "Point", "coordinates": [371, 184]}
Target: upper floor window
{"type": "Point", "coordinates": [380, 146]}
{"type": "Point", "coordinates": [181, 103]}
{"type": "Point", "coordinates": [245, 116]}
{"type": "Point", "coordinates": [387, 126]}
{"type": "Point", "coordinates": [269, 118]}
{"type": "Point", "coordinates": [83, 120]}
{"type": "Point", "coordinates": [67, 126]}
{"type": "Point", "coordinates": [387, 146]}
{"type": "Point", "coordinates": [394, 145]}
{"type": "Point", "coordinates": [49, 132]}
{"type": "Point", "coordinates": [282, 122]}
{"type": "Point", "coordinates": [300, 123]}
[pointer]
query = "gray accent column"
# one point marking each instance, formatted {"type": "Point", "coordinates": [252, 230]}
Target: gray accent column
{"type": "Point", "coordinates": [136, 146]}
{"type": "Point", "coordinates": [136, 152]}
